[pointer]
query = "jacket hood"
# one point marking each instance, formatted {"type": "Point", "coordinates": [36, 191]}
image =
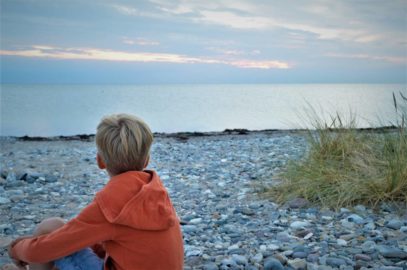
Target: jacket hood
{"type": "Point", "coordinates": [137, 199]}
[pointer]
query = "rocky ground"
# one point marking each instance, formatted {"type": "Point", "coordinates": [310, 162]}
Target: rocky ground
{"type": "Point", "coordinates": [213, 182]}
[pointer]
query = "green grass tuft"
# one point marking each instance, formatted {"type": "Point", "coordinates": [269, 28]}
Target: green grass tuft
{"type": "Point", "coordinates": [345, 166]}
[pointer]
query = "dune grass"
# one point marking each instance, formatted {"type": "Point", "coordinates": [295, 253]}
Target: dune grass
{"type": "Point", "coordinates": [345, 166]}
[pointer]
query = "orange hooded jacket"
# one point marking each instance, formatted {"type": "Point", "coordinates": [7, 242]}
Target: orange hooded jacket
{"type": "Point", "coordinates": [133, 218]}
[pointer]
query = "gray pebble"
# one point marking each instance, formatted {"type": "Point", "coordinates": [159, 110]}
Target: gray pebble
{"type": "Point", "coordinates": [228, 263]}
{"type": "Point", "coordinates": [360, 208]}
{"type": "Point", "coordinates": [283, 237]}
{"type": "Point", "coordinates": [299, 254]}
{"type": "Point", "coordinates": [4, 200]}
{"type": "Point", "coordinates": [355, 218]}
{"type": "Point", "coordinates": [369, 226]}
{"type": "Point", "coordinates": [297, 264]}
{"type": "Point", "coordinates": [298, 203]}
{"type": "Point", "coordinates": [299, 224]}
{"type": "Point", "coordinates": [51, 178]}
{"type": "Point", "coordinates": [210, 266]}
{"type": "Point", "coordinates": [240, 259]}
{"type": "Point", "coordinates": [394, 224]}
{"type": "Point", "coordinates": [368, 247]}
{"type": "Point", "coordinates": [257, 258]}
{"type": "Point", "coordinates": [11, 177]}
{"type": "Point", "coordinates": [335, 262]}
{"type": "Point", "coordinates": [189, 228]}
{"type": "Point", "coordinates": [391, 252]}
{"type": "Point", "coordinates": [273, 264]}
{"type": "Point", "coordinates": [313, 258]}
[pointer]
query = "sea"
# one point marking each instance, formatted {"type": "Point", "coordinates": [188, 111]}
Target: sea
{"type": "Point", "coordinates": [53, 110]}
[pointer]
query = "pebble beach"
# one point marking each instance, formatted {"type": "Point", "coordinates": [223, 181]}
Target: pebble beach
{"type": "Point", "coordinates": [214, 181]}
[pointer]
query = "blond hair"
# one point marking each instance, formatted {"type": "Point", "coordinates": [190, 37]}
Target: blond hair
{"type": "Point", "coordinates": [123, 143]}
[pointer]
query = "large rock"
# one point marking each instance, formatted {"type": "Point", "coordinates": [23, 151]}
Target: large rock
{"type": "Point", "coordinates": [391, 252]}
{"type": "Point", "coordinates": [273, 264]}
{"type": "Point", "coordinates": [394, 224]}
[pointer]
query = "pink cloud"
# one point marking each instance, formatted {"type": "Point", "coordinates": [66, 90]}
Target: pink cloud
{"type": "Point", "coordinates": [42, 51]}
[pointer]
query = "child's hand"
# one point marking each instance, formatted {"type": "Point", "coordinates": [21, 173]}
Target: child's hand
{"type": "Point", "coordinates": [17, 261]}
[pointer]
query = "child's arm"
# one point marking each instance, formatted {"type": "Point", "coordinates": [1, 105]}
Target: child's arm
{"type": "Point", "coordinates": [16, 261]}
{"type": "Point", "coordinates": [88, 228]}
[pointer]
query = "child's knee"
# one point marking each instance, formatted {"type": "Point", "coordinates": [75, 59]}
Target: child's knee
{"type": "Point", "coordinates": [49, 225]}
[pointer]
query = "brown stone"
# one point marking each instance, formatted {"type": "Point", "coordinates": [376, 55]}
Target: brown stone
{"type": "Point", "coordinates": [363, 257]}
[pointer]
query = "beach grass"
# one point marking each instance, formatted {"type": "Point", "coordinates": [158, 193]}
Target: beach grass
{"type": "Point", "coordinates": [345, 166]}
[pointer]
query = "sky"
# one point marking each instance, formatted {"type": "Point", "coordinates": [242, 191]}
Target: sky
{"type": "Point", "coordinates": [222, 41]}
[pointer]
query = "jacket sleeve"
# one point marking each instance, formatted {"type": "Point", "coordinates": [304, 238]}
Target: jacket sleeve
{"type": "Point", "coordinates": [88, 228]}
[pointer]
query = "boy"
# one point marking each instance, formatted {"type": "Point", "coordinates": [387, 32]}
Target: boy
{"type": "Point", "coordinates": [132, 216]}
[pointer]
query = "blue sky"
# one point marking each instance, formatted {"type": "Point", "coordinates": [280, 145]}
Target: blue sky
{"type": "Point", "coordinates": [225, 41]}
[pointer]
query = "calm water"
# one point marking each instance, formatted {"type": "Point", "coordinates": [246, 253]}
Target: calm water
{"type": "Point", "coordinates": [48, 110]}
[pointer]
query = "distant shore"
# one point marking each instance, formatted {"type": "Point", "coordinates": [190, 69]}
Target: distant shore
{"type": "Point", "coordinates": [188, 134]}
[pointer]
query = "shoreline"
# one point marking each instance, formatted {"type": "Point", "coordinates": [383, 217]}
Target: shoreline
{"type": "Point", "coordinates": [214, 184]}
{"type": "Point", "coordinates": [185, 135]}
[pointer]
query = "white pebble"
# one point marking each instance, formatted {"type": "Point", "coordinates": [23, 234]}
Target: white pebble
{"type": "Point", "coordinates": [257, 258]}
{"type": "Point", "coordinates": [299, 224]}
{"type": "Point", "coordinates": [232, 247]}
{"type": "Point", "coordinates": [273, 247]}
{"type": "Point", "coordinates": [195, 221]}
{"type": "Point", "coordinates": [308, 236]}
{"type": "Point", "coordinates": [341, 242]}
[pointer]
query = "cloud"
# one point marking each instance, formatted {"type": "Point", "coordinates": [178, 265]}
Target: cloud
{"type": "Point", "coordinates": [178, 10]}
{"type": "Point", "coordinates": [140, 41]}
{"type": "Point", "coordinates": [259, 64]}
{"type": "Point", "coordinates": [325, 20]}
{"type": "Point", "coordinates": [233, 20]}
{"type": "Point", "coordinates": [244, 22]}
{"type": "Point", "coordinates": [126, 10]}
{"type": "Point", "coordinates": [359, 36]}
{"type": "Point", "coordinates": [322, 20]}
{"type": "Point", "coordinates": [226, 51]}
{"type": "Point", "coordinates": [131, 11]}
{"type": "Point", "coordinates": [42, 51]}
{"type": "Point", "coordinates": [389, 59]}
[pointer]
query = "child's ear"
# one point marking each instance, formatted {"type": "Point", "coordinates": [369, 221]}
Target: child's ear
{"type": "Point", "coordinates": [147, 161]}
{"type": "Point", "coordinates": [100, 162]}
